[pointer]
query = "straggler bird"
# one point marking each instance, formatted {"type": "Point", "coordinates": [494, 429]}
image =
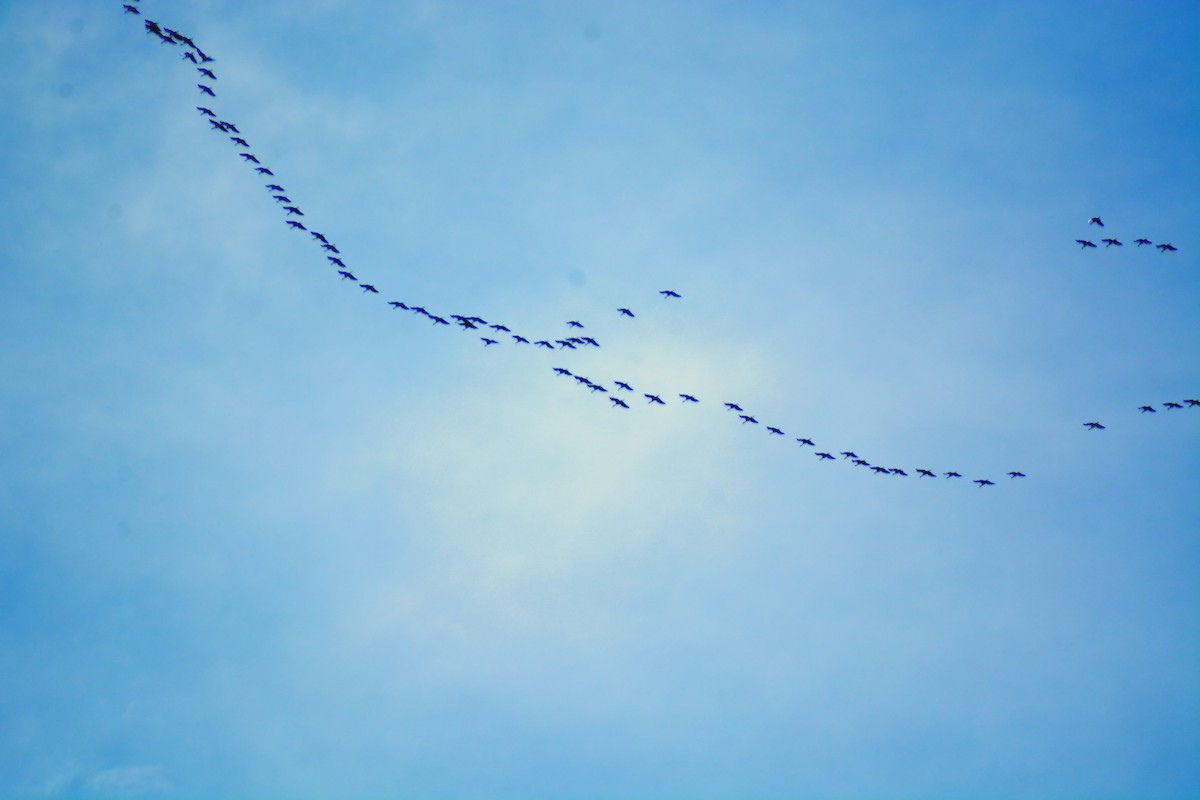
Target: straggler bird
{"type": "Point", "coordinates": [1141, 242]}
{"type": "Point", "coordinates": [625, 311]}
{"type": "Point", "coordinates": [1111, 242]}
{"type": "Point", "coordinates": [1095, 221]}
{"type": "Point", "coordinates": [1084, 244]}
{"type": "Point", "coordinates": [669, 293]}
{"type": "Point", "coordinates": [1016, 474]}
{"type": "Point", "coordinates": [1167, 248]}
{"type": "Point", "coordinates": [653, 398]}
{"type": "Point", "coordinates": [1095, 426]}
{"type": "Point", "coordinates": [687, 398]}
{"type": "Point", "coordinates": [1149, 409]}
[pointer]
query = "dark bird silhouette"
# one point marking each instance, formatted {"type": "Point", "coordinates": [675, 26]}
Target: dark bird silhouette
{"type": "Point", "coordinates": [216, 125]}
{"type": "Point", "coordinates": [849, 454]}
{"type": "Point", "coordinates": [774, 431]}
{"type": "Point", "coordinates": [564, 343]}
{"type": "Point", "coordinates": [296, 225]}
{"type": "Point", "coordinates": [575, 323]}
{"type": "Point", "coordinates": [1095, 221]}
{"type": "Point", "coordinates": [1171, 405]}
{"type": "Point", "coordinates": [589, 340]}
{"type": "Point", "coordinates": [438, 320]}
{"type": "Point", "coordinates": [206, 59]}
{"type": "Point", "coordinates": [263, 171]}
{"type": "Point", "coordinates": [500, 328]}
{"type": "Point", "coordinates": [733, 406]}
{"type": "Point", "coordinates": [625, 311]}
{"type": "Point", "coordinates": [880, 470]}
{"type": "Point", "coordinates": [1111, 242]}
{"type": "Point", "coordinates": [189, 56]}
{"type": "Point", "coordinates": [1095, 426]}
{"type": "Point", "coordinates": [687, 398]}
{"type": "Point", "coordinates": [1141, 242]}
{"type": "Point", "coordinates": [398, 304]}
{"type": "Point", "coordinates": [369, 288]}
{"type": "Point", "coordinates": [463, 322]}
{"type": "Point", "coordinates": [152, 27]}
{"type": "Point", "coordinates": [924, 473]}
{"type": "Point", "coordinates": [337, 262]}
{"type": "Point", "coordinates": [229, 126]}
{"type": "Point", "coordinates": [206, 90]}
{"type": "Point", "coordinates": [898, 471]}
{"type": "Point", "coordinates": [293, 210]}
{"type": "Point", "coordinates": [1084, 244]}
{"type": "Point", "coordinates": [330, 248]}
{"type": "Point", "coordinates": [320, 237]}
{"type": "Point", "coordinates": [582, 379]}
{"type": "Point", "coordinates": [347, 276]}
{"type": "Point", "coordinates": [653, 398]}
{"type": "Point", "coordinates": [623, 385]}
{"type": "Point", "coordinates": [239, 141]}
{"type": "Point", "coordinates": [806, 442]}
{"type": "Point", "coordinates": [274, 187]}
{"type": "Point", "coordinates": [206, 73]}
{"type": "Point", "coordinates": [1149, 409]}
{"type": "Point", "coordinates": [520, 339]}
{"type": "Point", "coordinates": [208, 112]}
{"type": "Point", "coordinates": [420, 310]}
{"type": "Point", "coordinates": [669, 293]}
{"type": "Point", "coordinates": [132, 10]}
{"type": "Point", "coordinates": [487, 342]}
{"type": "Point", "coordinates": [747, 418]}
{"type": "Point", "coordinates": [1192, 402]}
{"type": "Point", "coordinates": [953, 475]}
{"type": "Point", "coordinates": [563, 371]}
{"type": "Point", "coordinates": [618, 402]}
{"type": "Point", "coordinates": [860, 462]}
{"type": "Point", "coordinates": [249, 157]}
{"type": "Point", "coordinates": [544, 343]}
{"type": "Point", "coordinates": [595, 387]}
{"type": "Point", "coordinates": [1167, 248]}
{"type": "Point", "coordinates": [1016, 474]}
{"type": "Point", "coordinates": [984, 482]}
{"type": "Point", "coordinates": [825, 456]}
{"type": "Point", "coordinates": [282, 198]}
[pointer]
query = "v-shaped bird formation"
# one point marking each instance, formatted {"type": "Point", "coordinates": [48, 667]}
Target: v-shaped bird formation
{"type": "Point", "coordinates": [494, 333]}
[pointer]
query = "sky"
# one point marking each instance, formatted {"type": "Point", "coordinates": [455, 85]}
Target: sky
{"type": "Point", "coordinates": [263, 535]}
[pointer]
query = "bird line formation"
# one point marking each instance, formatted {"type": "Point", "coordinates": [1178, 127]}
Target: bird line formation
{"type": "Point", "coordinates": [1084, 244]}
{"type": "Point", "coordinates": [621, 389]}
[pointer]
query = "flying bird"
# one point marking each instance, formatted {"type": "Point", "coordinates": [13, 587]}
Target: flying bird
{"type": "Point", "coordinates": [239, 141]}
{"type": "Point", "coordinates": [900, 472]}
{"type": "Point", "coordinates": [747, 418]}
{"type": "Point", "coordinates": [1192, 402]}
{"type": "Point", "coordinates": [296, 225]}
{"type": "Point", "coordinates": [263, 171]}
{"type": "Point", "coordinates": [1149, 409]}
{"type": "Point", "coordinates": [624, 385]}
{"type": "Point", "coordinates": [249, 157]}
{"type": "Point", "coordinates": [774, 431]}
{"type": "Point", "coordinates": [953, 475]}
{"type": "Point", "coordinates": [132, 10]}
{"type": "Point", "coordinates": [189, 56]}
{"type": "Point", "coordinates": [206, 73]}
{"type": "Point", "coordinates": [347, 276]}
{"type": "Point", "coordinates": [1111, 242]}
{"type": "Point", "coordinates": [293, 210]}
{"type": "Point", "coordinates": [369, 288]}
{"type": "Point", "coordinates": [563, 371]}
{"type": "Point", "coordinates": [653, 398]}
{"type": "Point", "coordinates": [1171, 405]}
{"type": "Point", "coordinates": [849, 454]}
{"type": "Point", "coordinates": [520, 339]}
{"type": "Point", "coordinates": [206, 90]}
{"type": "Point", "coordinates": [337, 262]}
{"type": "Point", "coordinates": [924, 473]}
{"type": "Point", "coordinates": [487, 342]}
{"type": "Point", "coordinates": [544, 343]}
{"type": "Point", "coordinates": [1167, 248]}
{"type": "Point", "coordinates": [1095, 426]}
{"type": "Point", "coordinates": [274, 187]}
{"type": "Point", "coordinates": [687, 398]}
{"type": "Point", "coordinates": [1095, 221]}
{"type": "Point", "coordinates": [330, 248]}
{"type": "Point", "coordinates": [826, 456]}
{"type": "Point", "coordinates": [1141, 242]}
{"type": "Point", "coordinates": [282, 198]}
{"type": "Point", "coordinates": [208, 112]}
{"type": "Point", "coordinates": [669, 293]}
{"type": "Point", "coordinates": [575, 323]}
{"type": "Point", "coordinates": [618, 402]}
{"type": "Point", "coordinates": [500, 328]}
{"type": "Point", "coordinates": [398, 304]}
{"type": "Point", "coordinates": [808, 442]}
{"type": "Point", "coordinates": [625, 311]}
{"type": "Point", "coordinates": [1085, 244]}
{"type": "Point", "coordinates": [984, 482]}
{"type": "Point", "coordinates": [733, 406]}
{"type": "Point", "coordinates": [1015, 474]}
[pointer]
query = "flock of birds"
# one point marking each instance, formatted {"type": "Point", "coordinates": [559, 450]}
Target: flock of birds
{"type": "Point", "coordinates": [1084, 244]}
{"type": "Point", "coordinates": [491, 332]}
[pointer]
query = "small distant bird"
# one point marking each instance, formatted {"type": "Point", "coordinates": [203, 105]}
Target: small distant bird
{"type": "Point", "coordinates": [1095, 221]}
{"type": "Point", "coordinates": [669, 293]}
{"type": "Point", "coordinates": [464, 323]}
{"type": "Point", "coordinates": [563, 371]}
{"type": "Point", "coordinates": [880, 470]}
{"type": "Point", "coordinates": [293, 210]}
{"type": "Point", "coordinates": [733, 406]}
{"type": "Point", "coordinates": [623, 385]}
{"type": "Point", "coordinates": [653, 398]}
{"type": "Point", "coordinates": [808, 442]}
{"type": "Point", "coordinates": [563, 343]}
{"type": "Point", "coordinates": [900, 472]}
{"type": "Point", "coordinates": [330, 248]}
{"type": "Point", "coordinates": [520, 339]}
{"type": "Point", "coordinates": [1141, 242]}
{"type": "Point", "coordinates": [1192, 402]}
{"type": "Point", "coordinates": [420, 310]}
{"type": "Point", "coordinates": [687, 398]}
{"type": "Point", "coordinates": [595, 387]}
{"type": "Point", "coordinates": [544, 343]}
{"type": "Point", "coordinates": [1095, 426]}
{"type": "Point", "coordinates": [230, 126]}
{"type": "Point", "coordinates": [747, 418]}
{"type": "Point", "coordinates": [1016, 474]}
{"type": "Point", "coordinates": [953, 475]}
{"type": "Point", "coordinates": [274, 187]}
{"type": "Point", "coordinates": [217, 126]}
{"type": "Point", "coordinates": [487, 342]}
{"type": "Point", "coordinates": [132, 10]}
{"type": "Point", "coordinates": [625, 311]}
{"type": "Point", "coordinates": [282, 198]}
{"type": "Point", "coordinates": [1171, 405]}
{"type": "Point", "coordinates": [1085, 244]}
{"type": "Point", "coordinates": [860, 462]}
{"type": "Point", "coordinates": [582, 379]}
{"type": "Point", "coordinates": [206, 73]}
{"type": "Point", "coordinates": [1111, 242]}
{"type": "Point", "coordinates": [347, 276]}
{"type": "Point", "coordinates": [575, 323]}
{"type": "Point", "coordinates": [320, 237]}
{"type": "Point", "coordinates": [369, 288]}
{"type": "Point", "coordinates": [849, 454]}
{"type": "Point", "coordinates": [984, 482]}
{"type": "Point", "coordinates": [296, 225]}
{"type": "Point", "coordinates": [263, 171]}
{"type": "Point", "coordinates": [249, 157]}
{"type": "Point", "coordinates": [203, 57]}
{"type": "Point", "coordinates": [208, 112]}
{"type": "Point", "coordinates": [189, 56]}
{"type": "Point", "coordinates": [826, 456]}
{"type": "Point", "coordinates": [239, 141]}
{"type": "Point", "coordinates": [590, 340]}
{"type": "Point", "coordinates": [398, 304]}
{"type": "Point", "coordinates": [1149, 409]}
{"type": "Point", "coordinates": [337, 262]}
{"type": "Point", "coordinates": [438, 320]}
{"type": "Point", "coordinates": [500, 328]}
{"type": "Point", "coordinates": [1167, 248]}
{"type": "Point", "coordinates": [774, 431]}
{"type": "Point", "coordinates": [924, 473]}
{"type": "Point", "coordinates": [618, 402]}
{"type": "Point", "coordinates": [206, 90]}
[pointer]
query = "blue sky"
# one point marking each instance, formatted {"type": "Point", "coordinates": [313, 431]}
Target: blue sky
{"type": "Point", "coordinates": [261, 535]}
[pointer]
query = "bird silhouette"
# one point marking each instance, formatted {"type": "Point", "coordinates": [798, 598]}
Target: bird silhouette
{"type": "Point", "coordinates": [520, 339]}
{"type": "Point", "coordinates": [296, 225]}
{"type": "Point", "coordinates": [653, 398]}
{"type": "Point", "coordinates": [320, 237]}
{"type": "Point", "coordinates": [274, 187]}
{"type": "Point", "coordinates": [747, 418]}
{"type": "Point", "coordinates": [249, 157]}
{"type": "Point", "coordinates": [1141, 242]}
{"type": "Point", "coordinates": [1146, 409]}
{"type": "Point", "coordinates": [1192, 402]}
{"type": "Point", "coordinates": [669, 293]}
{"type": "Point", "coordinates": [239, 141]}
{"type": "Point", "coordinates": [500, 328]}
{"type": "Point", "coordinates": [398, 304]}
{"type": "Point", "coordinates": [206, 73]}
{"type": "Point", "coordinates": [206, 90]}
{"type": "Point", "coordinates": [1095, 426]}
{"type": "Point", "coordinates": [849, 454]}
{"type": "Point", "coordinates": [1095, 221]}
{"type": "Point", "coordinates": [544, 343]}
{"type": "Point", "coordinates": [575, 323]}
{"type": "Point", "coordinates": [625, 311]}
{"type": "Point", "coordinates": [208, 112]}
{"type": "Point", "coordinates": [132, 10]}
{"type": "Point", "coordinates": [984, 482]}
{"type": "Point", "coordinates": [953, 475]}
{"type": "Point", "coordinates": [330, 248]}
{"type": "Point", "coordinates": [282, 198]}
{"type": "Point", "coordinates": [348, 276]}
{"type": "Point", "coordinates": [687, 398]}
{"type": "Point", "coordinates": [369, 288]}
{"type": "Point", "coordinates": [825, 456]}
{"type": "Point", "coordinates": [563, 371]}
{"type": "Point", "coordinates": [487, 342]}
{"type": "Point", "coordinates": [1167, 248]}
{"type": "Point", "coordinates": [774, 431]}
{"type": "Point", "coordinates": [1111, 242]}
{"type": "Point", "coordinates": [1015, 474]}
{"type": "Point", "coordinates": [898, 471]}
{"type": "Point", "coordinates": [190, 57]}
{"type": "Point", "coordinates": [1172, 406]}
{"type": "Point", "coordinates": [806, 442]}
{"type": "Point", "coordinates": [733, 406]}
{"type": "Point", "coordinates": [623, 385]}
{"type": "Point", "coordinates": [924, 473]}
{"type": "Point", "coordinates": [1084, 244]}
{"type": "Point", "coordinates": [618, 402]}
{"type": "Point", "coordinates": [264, 171]}
{"type": "Point", "coordinates": [293, 210]}
{"type": "Point", "coordinates": [337, 262]}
